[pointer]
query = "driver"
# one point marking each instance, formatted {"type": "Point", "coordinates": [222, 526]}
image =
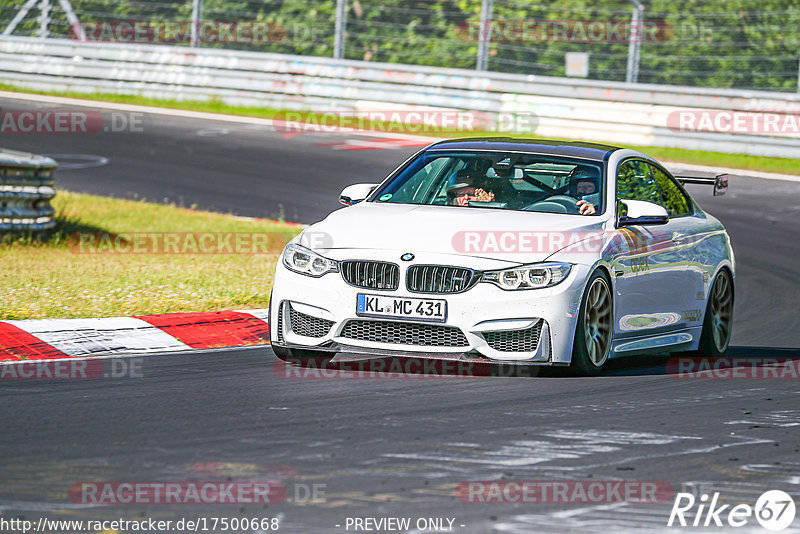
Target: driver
{"type": "Point", "coordinates": [584, 181]}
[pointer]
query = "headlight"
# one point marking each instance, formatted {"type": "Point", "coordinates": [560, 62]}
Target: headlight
{"type": "Point", "coordinates": [304, 261]}
{"type": "Point", "coordinates": [534, 276]}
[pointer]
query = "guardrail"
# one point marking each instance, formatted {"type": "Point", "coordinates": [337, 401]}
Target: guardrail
{"type": "Point", "coordinates": [26, 188]}
{"type": "Point", "coordinates": [611, 112]}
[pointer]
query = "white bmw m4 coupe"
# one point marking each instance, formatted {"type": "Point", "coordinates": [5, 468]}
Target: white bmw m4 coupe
{"type": "Point", "coordinates": [510, 251]}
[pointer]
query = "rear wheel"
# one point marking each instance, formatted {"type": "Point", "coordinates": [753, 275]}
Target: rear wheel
{"type": "Point", "coordinates": [593, 334]}
{"type": "Point", "coordinates": [719, 316]}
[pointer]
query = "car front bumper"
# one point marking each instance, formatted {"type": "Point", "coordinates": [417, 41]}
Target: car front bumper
{"type": "Point", "coordinates": [484, 321]}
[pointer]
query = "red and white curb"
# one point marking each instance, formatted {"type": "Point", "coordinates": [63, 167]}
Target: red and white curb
{"type": "Point", "coordinates": [39, 339]}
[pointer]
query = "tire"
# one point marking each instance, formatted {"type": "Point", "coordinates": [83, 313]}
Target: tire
{"type": "Point", "coordinates": [303, 357]}
{"type": "Point", "coordinates": [718, 320]}
{"type": "Point", "coordinates": [594, 332]}
{"type": "Point", "coordinates": [283, 353]}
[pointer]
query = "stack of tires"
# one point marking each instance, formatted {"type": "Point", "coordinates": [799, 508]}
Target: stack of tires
{"type": "Point", "coordinates": [26, 188]}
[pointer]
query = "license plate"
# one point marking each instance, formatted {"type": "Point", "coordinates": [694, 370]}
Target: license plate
{"type": "Point", "coordinates": [401, 307]}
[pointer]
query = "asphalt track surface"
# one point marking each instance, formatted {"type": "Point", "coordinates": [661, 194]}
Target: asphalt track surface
{"type": "Point", "coordinates": [398, 446]}
{"type": "Point", "coordinates": [250, 170]}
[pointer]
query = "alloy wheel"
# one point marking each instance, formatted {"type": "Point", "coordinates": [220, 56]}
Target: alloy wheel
{"type": "Point", "coordinates": [597, 322]}
{"type": "Point", "coordinates": [721, 311]}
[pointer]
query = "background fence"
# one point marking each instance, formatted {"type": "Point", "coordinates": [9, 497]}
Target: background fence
{"type": "Point", "coordinates": [26, 187]}
{"type": "Point", "coordinates": [611, 112]}
{"type": "Point", "coordinates": [745, 44]}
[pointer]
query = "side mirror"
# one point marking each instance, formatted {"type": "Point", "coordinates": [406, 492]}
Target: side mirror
{"type": "Point", "coordinates": [720, 185]}
{"type": "Point", "coordinates": [641, 212]}
{"type": "Point", "coordinates": [353, 194]}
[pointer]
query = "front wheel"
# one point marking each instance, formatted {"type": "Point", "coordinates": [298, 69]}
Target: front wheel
{"type": "Point", "coordinates": [303, 357]}
{"type": "Point", "coordinates": [593, 334]}
{"type": "Point", "coordinates": [719, 317]}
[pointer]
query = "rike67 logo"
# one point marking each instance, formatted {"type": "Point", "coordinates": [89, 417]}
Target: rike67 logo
{"type": "Point", "coordinates": [774, 510]}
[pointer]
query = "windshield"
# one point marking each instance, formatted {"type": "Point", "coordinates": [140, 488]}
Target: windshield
{"type": "Point", "coordinates": [500, 180]}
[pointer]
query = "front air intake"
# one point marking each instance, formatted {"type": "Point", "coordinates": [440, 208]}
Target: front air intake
{"type": "Point", "coordinates": [306, 325]}
{"type": "Point", "coordinates": [402, 333]}
{"type": "Point", "coordinates": [525, 340]}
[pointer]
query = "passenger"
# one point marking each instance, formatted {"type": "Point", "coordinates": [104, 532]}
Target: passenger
{"type": "Point", "coordinates": [464, 192]}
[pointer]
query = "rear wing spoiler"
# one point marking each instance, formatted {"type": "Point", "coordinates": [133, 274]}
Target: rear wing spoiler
{"type": "Point", "coordinates": [720, 182]}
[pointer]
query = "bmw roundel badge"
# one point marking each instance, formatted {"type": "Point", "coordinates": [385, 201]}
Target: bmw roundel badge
{"type": "Point", "coordinates": [407, 256]}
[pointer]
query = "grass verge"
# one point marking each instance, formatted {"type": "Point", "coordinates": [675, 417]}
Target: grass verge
{"type": "Point", "coordinates": [697, 157]}
{"type": "Point", "coordinates": [96, 265]}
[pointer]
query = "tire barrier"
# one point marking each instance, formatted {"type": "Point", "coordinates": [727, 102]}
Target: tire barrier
{"type": "Point", "coordinates": [26, 188]}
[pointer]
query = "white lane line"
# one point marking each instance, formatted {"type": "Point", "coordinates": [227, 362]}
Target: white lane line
{"type": "Point", "coordinates": [780, 418]}
{"type": "Point", "coordinates": [68, 162]}
{"type": "Point", "coordinates": [618, 437]}
{"type": "Point", "coordinates": [563, 514]}
{"type": "Point", "coordinates": [665, 454]}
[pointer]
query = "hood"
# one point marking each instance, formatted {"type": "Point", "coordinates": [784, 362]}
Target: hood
{"type": "Point", "coordinates": [509, 236]}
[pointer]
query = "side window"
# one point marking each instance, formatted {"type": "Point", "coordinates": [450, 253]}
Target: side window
{"type": "Point", "coordinates": [672, 197]}
{"type": "Point", "coordinates": [635, 181]}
